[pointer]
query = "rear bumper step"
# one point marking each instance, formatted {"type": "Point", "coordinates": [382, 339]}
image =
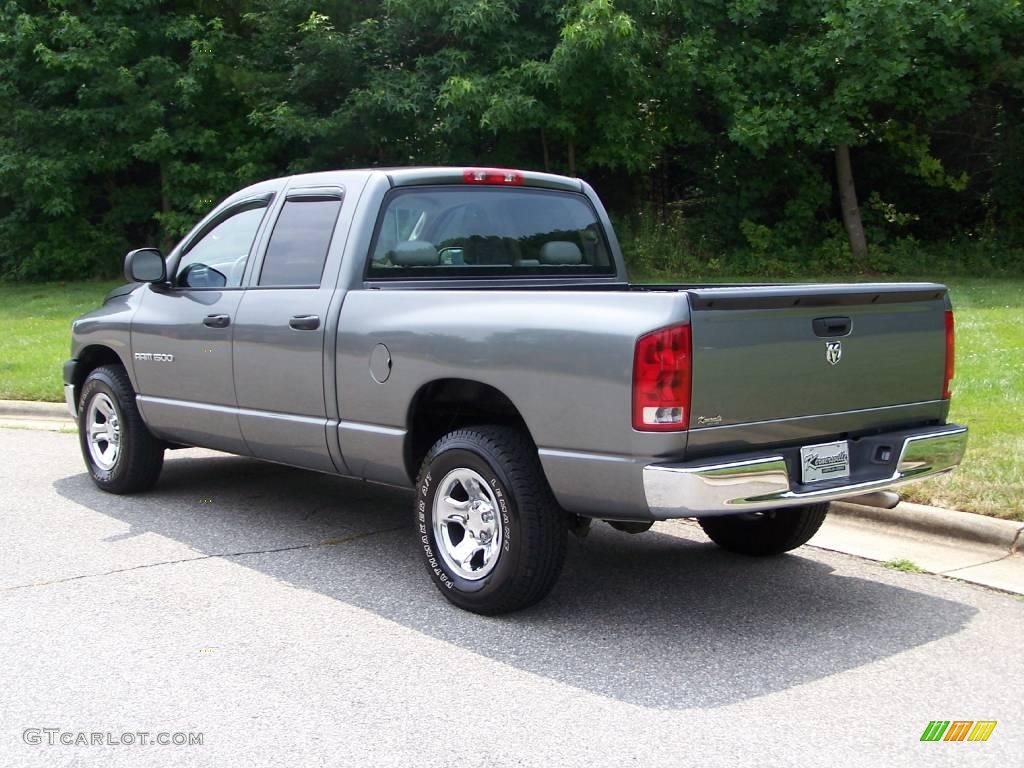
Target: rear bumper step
{"type": "Point", "coordinates": [753, 484]}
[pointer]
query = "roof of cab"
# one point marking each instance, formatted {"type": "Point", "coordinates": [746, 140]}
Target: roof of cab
{"type": "Point", "coordinates": [403, 177]}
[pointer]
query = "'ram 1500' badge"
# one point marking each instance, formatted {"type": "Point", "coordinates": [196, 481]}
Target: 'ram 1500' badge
{"type": "Point", "coordinates": [833, 351]}
{"type": "Point", "coordinates": [158, 357]}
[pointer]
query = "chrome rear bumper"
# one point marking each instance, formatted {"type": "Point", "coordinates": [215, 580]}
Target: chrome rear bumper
{"type": "Point", "coordinates": [749, 485]}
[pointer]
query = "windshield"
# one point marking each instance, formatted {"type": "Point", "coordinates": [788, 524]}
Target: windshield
{"type": "Point", "coordinates": [462, 231]}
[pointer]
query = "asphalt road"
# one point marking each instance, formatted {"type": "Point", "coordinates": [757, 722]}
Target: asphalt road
{"type": "Point", "coordinates": [283, 615]}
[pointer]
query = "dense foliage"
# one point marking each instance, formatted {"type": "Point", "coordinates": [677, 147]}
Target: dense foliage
{"type": "Point", "coordinates": [782, 136]}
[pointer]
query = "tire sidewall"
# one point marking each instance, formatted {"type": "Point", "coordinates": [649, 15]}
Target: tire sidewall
{"type": "Point", "coordinates": [99, 382]}
{"type": "Point", "coordinates": [454, 454]}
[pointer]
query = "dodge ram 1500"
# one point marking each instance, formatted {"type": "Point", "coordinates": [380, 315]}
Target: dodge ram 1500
{"type": "Point", "coordinates": [471, 333]}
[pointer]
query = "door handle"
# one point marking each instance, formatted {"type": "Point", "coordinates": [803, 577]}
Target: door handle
{"type": "Point", "coordinates": [217, 321]}
{"type": "Point", "coordinates": [305, 322]}
{"type": "Point", "coordinates": [832, 326]}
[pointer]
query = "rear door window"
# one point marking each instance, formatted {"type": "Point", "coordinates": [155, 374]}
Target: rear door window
{"type": "Point", "coordinates": [298, 245]}
{"type": "Point", "coordinates": [458, 231]}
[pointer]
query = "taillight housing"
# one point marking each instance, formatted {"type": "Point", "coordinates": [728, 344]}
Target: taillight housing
{"type": "Point", "coordinates": [950, 355]}
{"type": "Point", "coordinates": [661, 380]}
{"type": "Point", "coordinates": [492, 176]}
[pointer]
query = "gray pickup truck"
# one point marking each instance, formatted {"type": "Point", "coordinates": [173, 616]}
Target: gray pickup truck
{"type": "Point", "coordinates": [471, 333]}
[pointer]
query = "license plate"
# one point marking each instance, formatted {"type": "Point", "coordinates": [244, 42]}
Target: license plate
{"type": "Point", "coordinates": [824, 462]}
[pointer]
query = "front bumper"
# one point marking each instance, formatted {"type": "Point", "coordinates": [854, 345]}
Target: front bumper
{"type": "Point", "coordinates": [69, 398]}
{"type": "Point", "coordinates": [749, 484]}
{"type": "Point", "coordinates": [69, 387]}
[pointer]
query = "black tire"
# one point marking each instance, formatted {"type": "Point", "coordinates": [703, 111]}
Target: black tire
{"type": "Point", "coordinates": [533, 527]}
{"type": "Point", "coordinates": [766, 533]}
{"type": "Point", "coordinates": [140, 456]}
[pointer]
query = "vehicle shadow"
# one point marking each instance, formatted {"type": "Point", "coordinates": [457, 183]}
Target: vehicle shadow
{"type": "Point", "coordinates": [653, 620]}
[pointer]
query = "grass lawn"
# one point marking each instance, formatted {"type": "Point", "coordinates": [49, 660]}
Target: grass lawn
{"type": "Point", "coordinates": [988, 396]}
{"type": "Point", "coordinates": [36, 337]}
{"type": "Point", "coordinates": [988, 389]}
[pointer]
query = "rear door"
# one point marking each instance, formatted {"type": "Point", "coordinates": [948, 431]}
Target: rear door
{"type": "Point", "coordinates": [181, 334]}
{"type": "Point", "coordinates": [279, 350]}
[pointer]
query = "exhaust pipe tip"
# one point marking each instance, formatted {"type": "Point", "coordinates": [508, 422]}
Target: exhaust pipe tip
{"type": "Point", "coordinates": [883, 499]}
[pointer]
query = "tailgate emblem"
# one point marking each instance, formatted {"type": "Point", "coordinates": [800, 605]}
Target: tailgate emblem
{"type": "Point", "coordinates": [833, 351]}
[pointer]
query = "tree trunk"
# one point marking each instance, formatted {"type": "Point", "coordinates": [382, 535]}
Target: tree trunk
{"type": "Point", "coordinates": [544, 146]}
{"type": "Point", "coordinates": [848, 204]}
{"type": "Point", "coordinates": [572, 158]}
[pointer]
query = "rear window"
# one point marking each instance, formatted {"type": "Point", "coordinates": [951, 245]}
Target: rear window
{"type": "Point", "coordinates": [484, 232]}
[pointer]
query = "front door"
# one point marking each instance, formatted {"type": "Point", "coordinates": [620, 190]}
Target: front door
{"type": "Point", "coordinates": [279, 354]}
{"type": "Point", "coordinates": [182, 334]}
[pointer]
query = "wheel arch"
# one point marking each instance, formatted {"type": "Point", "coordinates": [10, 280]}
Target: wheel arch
{"type": "Point", "coordinates": [89, 359]}
{"type": "Point", "coordinates": [443, 405]}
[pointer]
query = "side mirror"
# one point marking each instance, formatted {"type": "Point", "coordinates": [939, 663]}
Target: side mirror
{"type": "Point", "coordinates": [145, 265]}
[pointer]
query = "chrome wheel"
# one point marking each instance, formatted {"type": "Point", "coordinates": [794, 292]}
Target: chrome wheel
{"type": "Point", "coordinates": [467, 524]}
{"type": "Point", "coordinates": [103, 431]}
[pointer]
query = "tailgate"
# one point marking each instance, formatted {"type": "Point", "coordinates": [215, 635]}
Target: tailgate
{"type": "Point", "coordinates": [781, 352]}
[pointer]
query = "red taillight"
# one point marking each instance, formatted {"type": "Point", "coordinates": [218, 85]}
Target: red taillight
{"type": "Point", "coordinates": [950, 356]}
{"type": "Point", "coordinates": [661, 380]}
{"type": "Point", "coordinates": [492, 176]}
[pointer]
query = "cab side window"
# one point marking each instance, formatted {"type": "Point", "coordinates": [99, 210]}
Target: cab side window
{"type": "Point", "coordinates": [298, 245]}
{"type": "Point", "coordinates": [218, 258]}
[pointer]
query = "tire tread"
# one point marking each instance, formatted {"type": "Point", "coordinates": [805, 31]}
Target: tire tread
{"type": "Point", "coordinates": [143, 453]}
{"type": "Point", "coordinates": [542, 521]}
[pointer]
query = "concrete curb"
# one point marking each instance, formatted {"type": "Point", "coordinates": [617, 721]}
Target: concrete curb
{"type": "Point", "coordinates": [934, 521]}
{"type": "Point", "coordinates": [29, 409]}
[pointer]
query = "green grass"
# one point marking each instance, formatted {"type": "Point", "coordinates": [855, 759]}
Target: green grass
{"type": "Point", "coordinates": [988, 389]}
{"type": "Point", "coordinates": [988, 396]}
{"type": "Point", "coordinates": [36, 338]}
{"type": "Point", "coordinates": [907, 566]}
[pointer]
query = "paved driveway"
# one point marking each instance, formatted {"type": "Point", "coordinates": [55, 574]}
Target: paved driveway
{"type": "Point", "coordinates": [283, 615]}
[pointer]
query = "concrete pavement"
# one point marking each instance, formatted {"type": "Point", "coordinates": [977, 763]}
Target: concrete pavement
{"type": "Point", "coordinates": [982, 551]}
{"type": "Point", "coordinates": [28, 414]}
{"type": "Point", "coordinates": [974, 548]}
{"type": "Point", "coordinates": [283, 615]}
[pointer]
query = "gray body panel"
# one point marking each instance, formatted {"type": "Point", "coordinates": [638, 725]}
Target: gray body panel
{"type": "Point", "coordinates": [279, 377]}
{"type": "Point", "coordinates": [561, 350]}
{"type": "Point", "coordinates": [740, 438]}
{"type": "Point", "coordinates": [564, 359]}
{"type": "Point", "coordinates": [754, 364]}
{"type": "Point", "coordinates": [108, 327]}
{"type": "Point", "coordinates": [174, 395]}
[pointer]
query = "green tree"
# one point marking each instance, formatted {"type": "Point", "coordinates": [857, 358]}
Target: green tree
{"type": "Point", "coordinates": [579, 80]}
{"type": "Point", "coordinates": [813, 75]}
{"type": "Point", "coordinates": [126, 120]}
{"type": "Point", "coordinates": [122, 127]}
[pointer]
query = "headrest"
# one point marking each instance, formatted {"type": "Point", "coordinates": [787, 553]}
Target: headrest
{"type": "Point", "coordinates": [560, 252]}
{"type": "Point", "coordinates": [414, 253]}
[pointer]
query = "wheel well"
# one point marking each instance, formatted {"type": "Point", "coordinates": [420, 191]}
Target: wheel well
{"type": "Point", "coordinates": [447, 404]}
{"type": "Point", "coordinates": [89, 359]}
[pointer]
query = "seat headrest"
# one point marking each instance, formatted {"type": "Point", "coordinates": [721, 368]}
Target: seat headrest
{"type": "Point", "coordinates": [415, 253]}
{"type": "Point", "coordinates": [560, 252]}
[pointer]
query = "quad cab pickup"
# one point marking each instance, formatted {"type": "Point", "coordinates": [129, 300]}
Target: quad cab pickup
{"type": "Point", "coordinates": [471, 333]}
